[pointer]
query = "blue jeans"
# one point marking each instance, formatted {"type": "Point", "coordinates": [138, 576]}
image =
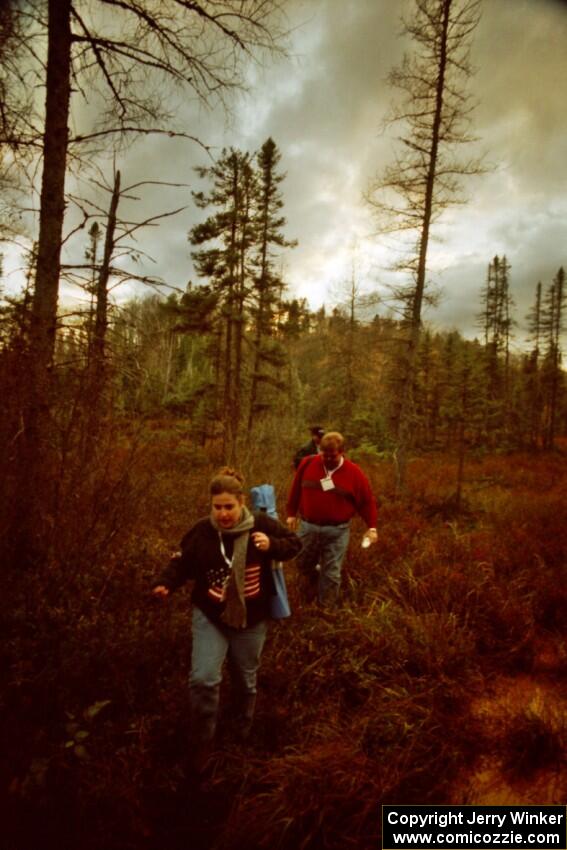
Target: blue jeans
{"type": "Point", "coordinates": [211, 645]}
{"type": "Point", "coordinates": [325, 545]}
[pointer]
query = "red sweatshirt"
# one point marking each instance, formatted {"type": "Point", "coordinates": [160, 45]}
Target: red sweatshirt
{"type": "Point", "coordinates": [351, 494]}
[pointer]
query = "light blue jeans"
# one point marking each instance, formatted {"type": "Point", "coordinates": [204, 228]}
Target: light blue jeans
{"type": "Point", "coordinates": [211, 645]}
{"type": "Point", "coordinates": [325, 545]}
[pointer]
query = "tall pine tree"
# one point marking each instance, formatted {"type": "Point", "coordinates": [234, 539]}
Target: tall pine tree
{"type": "Point", "coordinates": [268, 285]}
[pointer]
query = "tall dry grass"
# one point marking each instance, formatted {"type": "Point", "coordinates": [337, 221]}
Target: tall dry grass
{"type": "Point", "coordinates": [358, 707]}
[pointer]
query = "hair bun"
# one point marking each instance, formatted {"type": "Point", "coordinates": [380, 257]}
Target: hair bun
{"type": "Point", "coordinates": [227, 480]}
{"type": "Point", "coordinates": [229, 472]}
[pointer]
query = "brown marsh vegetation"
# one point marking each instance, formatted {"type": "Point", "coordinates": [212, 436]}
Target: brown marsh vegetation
{"type": "Point", "coordinates": [440, 679]}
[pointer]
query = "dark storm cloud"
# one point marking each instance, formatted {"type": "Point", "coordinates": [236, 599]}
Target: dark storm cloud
{"type": "Point", "coordinates": [325, 106]}
{"type": "Point", "coordinates": [520, 54]}
{"type": "Point", "coordinates": [342, 72]}
{"type": "Point", "coordinates": [328, 128]}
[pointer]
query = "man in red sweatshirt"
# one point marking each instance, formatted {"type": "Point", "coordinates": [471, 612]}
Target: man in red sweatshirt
{"type": "Point", "coordinates": [325, 494]}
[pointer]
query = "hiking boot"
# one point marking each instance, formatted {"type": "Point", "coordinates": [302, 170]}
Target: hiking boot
{"type": "Point", "coordinates": [307, 585]}
{"type": "Point", "coordinates": [329, 599]}
{"type": "Point", "coordinates": [199, 758]}
{"type": "Point", "coordinates": [245, 717]}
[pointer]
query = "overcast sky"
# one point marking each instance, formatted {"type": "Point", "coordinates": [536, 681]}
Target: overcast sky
{"type": "Point", "coordinates": [324, 107]}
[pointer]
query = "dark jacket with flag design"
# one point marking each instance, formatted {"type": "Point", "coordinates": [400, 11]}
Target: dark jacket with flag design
{"type": "Point", "coordinates": [201, 560]}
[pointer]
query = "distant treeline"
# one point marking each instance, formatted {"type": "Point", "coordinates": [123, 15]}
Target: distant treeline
{"type": "Point", "coordinates": [181, 355]}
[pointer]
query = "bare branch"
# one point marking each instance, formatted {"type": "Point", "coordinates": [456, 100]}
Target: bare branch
{"type": "Point", "coordinates": [99, 58]}
{"type": "Point", "coordinates": [173, 134]}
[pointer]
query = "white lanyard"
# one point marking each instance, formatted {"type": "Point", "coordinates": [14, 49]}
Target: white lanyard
{"type": "Point", "coordinates": [327, 482]}
{"type": "Point", "coordinates": [228, 561]}
{"type": "Point", "coordinates": [330, 472]}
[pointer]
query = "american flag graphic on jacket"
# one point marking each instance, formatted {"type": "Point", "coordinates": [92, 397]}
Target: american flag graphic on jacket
{"type": "Point", "coordinates": [218, 577]}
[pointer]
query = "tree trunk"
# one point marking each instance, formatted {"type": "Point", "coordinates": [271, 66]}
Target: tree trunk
{"type": "Point", "coordinates": [404, 426]}
{"type": "Point", "coordinates": [260, 319]}
{"type": "Point", "coordinates": [101, 314]}
{"type": "Point", "coordinates": [240, 317]}
{"type": "Point", "coordinates": [36, 491]}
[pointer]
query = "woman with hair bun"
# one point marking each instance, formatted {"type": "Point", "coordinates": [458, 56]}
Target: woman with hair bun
{"type": "Point", "coordinates": [228, 555]}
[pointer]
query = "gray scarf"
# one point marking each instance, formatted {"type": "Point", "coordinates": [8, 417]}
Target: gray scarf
{"type": "Point", "coordinates": [234, 613]}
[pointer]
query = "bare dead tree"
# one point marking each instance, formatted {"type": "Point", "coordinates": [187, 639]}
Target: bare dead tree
{"type": "Point", "coordinates": [100, 278]}
{"type": "Point", "coordinates": [129, 49]}
{"type": "Point", "coordinates": [410, 195]}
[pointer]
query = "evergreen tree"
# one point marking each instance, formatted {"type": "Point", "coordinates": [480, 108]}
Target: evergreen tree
{"type": "Point", "coordinates": [226, 266]}
{"type": "Point", "coordinates": [496, 321]}
{"type": "Point", "coordinates": [268, 286]}
{"type": "Point", "coordinates": [552, 375]}
{"type": "Point", "coordinates": [533, 402]}
{"type": "Point", "coordinates": [294, 318]}
{"type": "Point", "coordinates": [427, 390]}
{"type": "Point", "coordinates": [193, 381]}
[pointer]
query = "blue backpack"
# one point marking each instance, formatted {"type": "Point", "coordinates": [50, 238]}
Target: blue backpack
{"type": "Point", "coordinates": [264, 499]}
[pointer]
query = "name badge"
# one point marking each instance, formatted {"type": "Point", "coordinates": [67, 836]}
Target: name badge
{"type": "Point", "coordinates": [327, 484]}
